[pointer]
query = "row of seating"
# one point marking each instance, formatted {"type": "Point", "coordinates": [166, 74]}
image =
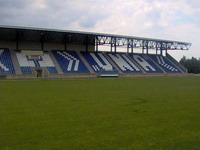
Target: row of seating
{"type": "Point", "coordinates": [26, 70]}
{"type": "Point", "coordinates": [130, 63]}
{"type": "Point", "coordinates": [146, 63]}
{"type": "Point", "coordinates": [98, 62]}
{"type": "Point", "coordinates": [6, 64]}
{"type": "Point", "coordinates": [165, 63]}
{"type": "Point", "coordinates": [71, 62]}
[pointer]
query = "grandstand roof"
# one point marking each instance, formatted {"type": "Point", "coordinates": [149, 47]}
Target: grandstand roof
{"type": "Point", "coordinates": [112, 39]}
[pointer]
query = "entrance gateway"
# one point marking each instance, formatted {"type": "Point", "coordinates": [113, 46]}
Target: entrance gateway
{"type": "Point", "coordinates": [39, 72]}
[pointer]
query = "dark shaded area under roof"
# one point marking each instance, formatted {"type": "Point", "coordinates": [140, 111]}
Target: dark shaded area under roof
{"type": "Point", "coordinates": [88, 38]}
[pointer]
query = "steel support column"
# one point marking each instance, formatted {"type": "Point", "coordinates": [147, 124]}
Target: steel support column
{"type": "Point", "coordinates": [127, 47]}
{"type": "Point", "coordinates": [17, 40]}
{"type": "Point", "coordinates": [86, 43]}
{"type": "Point", "coordinates": [97, 44]}
{"type": "Point", "coordinates": [161, 51]}
{"type": "Point", "coordinates": [156, 48]}
{"type": "Point", "coordinates": [142, 47]}
{"type": "Point", "coordinates": [115, 46]}
{"type": "Point", "coordinates": [147, 47]}
{"type": "Point", "coordinates": [132, 46]}
{"type": "Point", "coordinates": [65, 42]}
{"type": "Point", "coordinates": [42, 41]}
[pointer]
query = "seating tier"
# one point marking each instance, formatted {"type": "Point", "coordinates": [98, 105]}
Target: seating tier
{"type": "Point", "coordinates": [70, 62]}
{"type": "Point", "coordinates": [124, 63]}
{"type": "Point", "coordinates": [165, 64]}
{"type": "Point", "coordinates": [98, 62]}
{"type": "Point", "coordinates": [146, 63]}
{"type": "Point", "coordinates": [6, 64]}
{"type": "Point", "coordinates": [44, 61]}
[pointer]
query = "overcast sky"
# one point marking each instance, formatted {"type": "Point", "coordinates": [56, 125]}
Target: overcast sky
{"type": "Point", "coordinates": [166, 19]}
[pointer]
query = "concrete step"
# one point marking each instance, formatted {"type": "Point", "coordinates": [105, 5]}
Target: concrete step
{"type": "Point", "coordinates": [112, 63]}
{"type": "Point", "coordinates": [85, 62]}
{"type": "Point", "coordinates": [157, 65]}
{"type": "Point", "coordinates": [57, 66]}
{"type": "Point", "coordinates": [15, 62]}
{"type": "Point", "coordinates": [143, 71]}
{"type": "Point", "coordinates": [175, 64]}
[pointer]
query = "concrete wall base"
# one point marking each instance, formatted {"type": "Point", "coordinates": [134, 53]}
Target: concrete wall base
{"type": "Point", "coordinates": [74, 76]}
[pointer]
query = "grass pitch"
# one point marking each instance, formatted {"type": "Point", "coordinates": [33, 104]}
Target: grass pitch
{"type": "Point", "coordinates": [101, 114]}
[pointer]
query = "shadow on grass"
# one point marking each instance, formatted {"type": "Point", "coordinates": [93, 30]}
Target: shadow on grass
{"type": "Point", "coordinates": [139, 101]}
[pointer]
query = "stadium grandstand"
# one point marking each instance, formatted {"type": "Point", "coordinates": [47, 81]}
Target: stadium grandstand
{"type": "Point", "coordinates": [37, 52]}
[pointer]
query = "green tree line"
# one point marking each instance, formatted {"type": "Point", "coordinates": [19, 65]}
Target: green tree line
{"type": "Point", "coordinates": [192, 65]}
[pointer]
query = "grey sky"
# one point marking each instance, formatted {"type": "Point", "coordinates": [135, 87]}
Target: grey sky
{"type": "Point", "coordinates": [166, 19]}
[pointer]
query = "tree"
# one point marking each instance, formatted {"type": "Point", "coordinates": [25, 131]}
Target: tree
{"type": "Point", "coordinates": [192, 65]}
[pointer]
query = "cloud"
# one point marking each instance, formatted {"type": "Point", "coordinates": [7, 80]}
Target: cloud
{"type": "Point", "coordinates": [51, 13]}
{"type": "Point", "coordinates": [17, 4]}
{"type": "Point", "coordinates": [165, 19]}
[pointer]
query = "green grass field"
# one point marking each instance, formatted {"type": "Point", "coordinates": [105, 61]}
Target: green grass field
{"type": "Point", "coordinates": [100, 114]}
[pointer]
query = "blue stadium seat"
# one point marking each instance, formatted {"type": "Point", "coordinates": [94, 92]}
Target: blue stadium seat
{"type": "Point", "coordinates": [52, 70]}
{"type": "Point", "coordinates": [26, 70]}
{"type": "Point", "coordinates": [124, 63]}
{"type": "Point", "coordinates": [165, 63]}
{"type": "Point", "coordinates": [6, 64]}
{"type": "Point", "coordinates": [146, 63]}
{"type": "Point", "coordinates": [70, 62]}
{"type": "Point", "coordinates": [98, 61]}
